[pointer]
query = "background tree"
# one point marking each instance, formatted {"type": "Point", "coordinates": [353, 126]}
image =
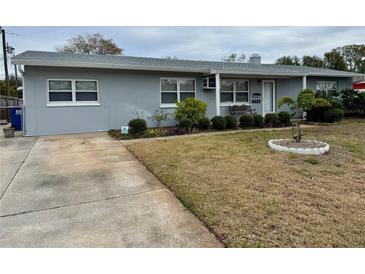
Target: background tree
{"type": "Point", "coordinates": [288, 60]}
{"type": "Point", "coordinates": [346, 58]}
{"type": "Point", "coordinates": [91, 44]}
{"type": "Point", "coordinates": [354, 57]}
{"type": "Point", "coordinates": [335, 60]}
{"type": "Point", "coordinates": [312, 61]}
{"type": "Point", "coordinates": [234, 58]}
{"type": "Point", "coordinates": [12, 84]}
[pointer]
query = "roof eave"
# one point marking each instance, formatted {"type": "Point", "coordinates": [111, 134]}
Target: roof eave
{"type": "Point", "coordinates": [294, 74]}
{"type": "Point", "coordinates": [25, 61]}
{"type": "Point", "coordinates": [256, 73]}
{"type": "Point", "coordinates": [19, 61]}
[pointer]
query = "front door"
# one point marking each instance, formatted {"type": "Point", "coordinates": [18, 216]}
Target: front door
{"type": "Point", "coordinates": [268, 96]}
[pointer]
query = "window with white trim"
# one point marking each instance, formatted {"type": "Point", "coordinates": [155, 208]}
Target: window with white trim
{"type": "Point", "coordinates": [328, 88]}
{"type": "Point", "coordinates": [234, 91]}
{"type": "Point", "coordinates": [72, 92]}
{"type": "Point", "coordinates": [60, 91]}
{"type": "Point", "coordinates": [175, 90]}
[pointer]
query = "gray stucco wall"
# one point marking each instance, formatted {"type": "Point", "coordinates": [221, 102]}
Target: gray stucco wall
{"type": "Point", "coordinates": [122, 94]}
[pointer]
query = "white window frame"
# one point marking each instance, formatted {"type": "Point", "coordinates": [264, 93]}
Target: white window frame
{"type": "Point", "coordinates": [178, 91]}
{"type": "Point", "coordinates": [224, 104]}
{"type": "Point", "coordinates": [73, 91]}
{"type": "Point", "coordinates": [326, 82]}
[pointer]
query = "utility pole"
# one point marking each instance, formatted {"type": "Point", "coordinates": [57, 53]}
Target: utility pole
{"type": "Point", "coordinates": [16, 74]}
{"type": "Point", "coordinates": [16, 80]}
{"type": "Point", "coordinates": [7, 89]}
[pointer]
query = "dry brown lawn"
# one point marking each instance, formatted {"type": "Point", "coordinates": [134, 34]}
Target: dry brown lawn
{"type": "Point", "coordinates": [252, 196]}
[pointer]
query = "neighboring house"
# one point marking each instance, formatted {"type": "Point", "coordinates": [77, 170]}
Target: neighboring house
{"type": "Point", "coordinates": [359, 86]}
{"type": "Point", "coordinates": [72, 93]}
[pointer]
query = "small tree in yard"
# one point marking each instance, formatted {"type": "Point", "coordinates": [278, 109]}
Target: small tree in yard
{"type": "Point", "coordinates": [159, 117]}
{"type": "Point", "coordinates": [304, 102]}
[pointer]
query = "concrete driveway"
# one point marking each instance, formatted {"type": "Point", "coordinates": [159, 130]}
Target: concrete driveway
{"type": "Point", "coordinates": [87, 190]}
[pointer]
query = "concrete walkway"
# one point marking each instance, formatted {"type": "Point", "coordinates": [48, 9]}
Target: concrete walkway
{"type": "Point", "coordinates": [87, 190]}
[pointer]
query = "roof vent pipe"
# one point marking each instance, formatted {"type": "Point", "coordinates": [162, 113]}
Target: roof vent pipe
{"type": "Point", "coordinates": [255, 59]}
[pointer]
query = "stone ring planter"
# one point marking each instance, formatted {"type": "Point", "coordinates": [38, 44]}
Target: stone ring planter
{"type": "Point", "coordinates": [308, 147]}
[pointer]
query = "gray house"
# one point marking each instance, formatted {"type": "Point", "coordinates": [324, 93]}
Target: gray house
{"type": "Point", "coordinates": [73, 93]}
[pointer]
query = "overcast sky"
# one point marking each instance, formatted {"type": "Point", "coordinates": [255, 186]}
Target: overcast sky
{"type": "Point", "coordinates": [200, 43]}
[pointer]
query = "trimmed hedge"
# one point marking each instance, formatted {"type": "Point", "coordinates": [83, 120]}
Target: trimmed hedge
{"type": "Point", "coordinates": [231, 122]}
{"type": "Point", "coordinates": [271, 119]}
{"type": "Point", "coordinates": [333, 115]}
{"type": "Point", "coordinates": [247, 121]}
{"type": "Point", "coordinates": [284, 118]}
{"type": "Point", "coordinates": [258, 120]}
{"type": "Point", "coordinates": [219, 122]}
{"type": "Point", "coordinates": [137, 126]}
{"type": "Point", "coordinates": [316, 113]}
{"type": "Point", "coordinates": [185, 123]}
{"type": "Point", "coordinates": [203, 123]}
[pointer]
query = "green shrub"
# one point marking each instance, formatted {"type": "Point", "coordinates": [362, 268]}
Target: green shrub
{"type": "Point", "coordinates": [137, 126]}
{"type": "Point", "coordinates": [246, 121]}
{"type": "Point", "coordinates": [316, 113]}
{"type": "Point", "coordinates": [203, 123]}
{"type": "Point", "coordinates": [219, 122]}
{"type": "Point", "coordinates": [320, 105]}
{"type": "Point", "coordinates": [271, 119]}
{"type": "Point", "coordinates": [231, 122]}
{"type": "Point", "coordinates": [305, 99]}
{"type": "Point", "coordinates": [258, 120]}
{"type": "Point", "coordinates": [191, 109]}
{"type": "Point", "coordinates": [321, 102]}
{"type": "Point", "coordinates": [335, 103]}
{"type": "Point", "coordinates": [284, 118]}
{"type": "Point", "coordinates": [353, 102]}
{"type": "Point", "coordinates": [186, 123]}
{"type": "Point", "coordinates": [333, 115]}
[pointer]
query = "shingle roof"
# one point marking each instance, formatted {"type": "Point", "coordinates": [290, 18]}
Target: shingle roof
{"type": "Point", "coordinates": [44, 58]}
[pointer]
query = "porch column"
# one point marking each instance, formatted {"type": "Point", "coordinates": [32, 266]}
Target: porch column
{"type": "Point", "coordinates": [217, 94]}
{"type": "Point", "coordinates": [304, 82]}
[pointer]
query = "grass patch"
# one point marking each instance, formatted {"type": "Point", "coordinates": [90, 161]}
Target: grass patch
{"type": "Point", "coordinates": [312, 161]}
{"type": "Point", "coordinates": [252, 196]}
{"type": "Point", "coordinates": [305, 173]}
{"type": "Point", "coordinates": [358, 149]}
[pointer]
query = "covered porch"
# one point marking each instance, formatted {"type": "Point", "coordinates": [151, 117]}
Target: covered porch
{"type": "Point", "coordinates": [260, 92]}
